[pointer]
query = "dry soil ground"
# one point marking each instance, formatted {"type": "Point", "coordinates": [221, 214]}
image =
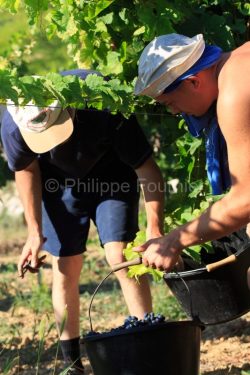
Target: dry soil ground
{"type": "Point", "coordinates": [225, 348]}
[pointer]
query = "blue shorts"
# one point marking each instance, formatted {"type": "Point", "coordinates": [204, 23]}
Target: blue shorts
{"type": "Point", "coordinates": [67, 211]}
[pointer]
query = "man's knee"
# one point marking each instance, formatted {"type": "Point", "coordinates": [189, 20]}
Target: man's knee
{"type": "Point", "coordinates": [67, 267]}
{"type": "Point", "coordinates": [114, 252]}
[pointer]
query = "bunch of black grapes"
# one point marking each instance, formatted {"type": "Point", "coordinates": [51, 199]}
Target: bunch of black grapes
{"type": "Point", "coordinates": [133, 322]}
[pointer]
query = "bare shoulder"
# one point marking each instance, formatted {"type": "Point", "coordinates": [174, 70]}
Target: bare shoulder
{"type": "Point", "coordinates": [236, 69]}
{"type": "Point", "coordinates": [234, 82]}
{"type": "Point", "coordinates": [244, 48]}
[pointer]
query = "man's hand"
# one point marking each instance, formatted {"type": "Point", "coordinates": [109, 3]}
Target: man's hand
{"type": "Point", "coordinates": [160, 253]}
{"type": "Point", "coordinates": [27, 266]}
{"type": "Point", "coordinates": [29, 256]}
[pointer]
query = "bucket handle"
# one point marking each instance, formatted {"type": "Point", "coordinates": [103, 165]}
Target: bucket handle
{"type": "Point", "coordinates": [133, 262]}
{"type": "Point", "coordinates": [120, 266]}
{"type": "Point", "coordinates": [115, 268]}
{"type": "Point", "coordinates": [194, 317]}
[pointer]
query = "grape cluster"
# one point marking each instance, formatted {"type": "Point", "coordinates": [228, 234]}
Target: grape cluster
{"type": "Point", "coordinates": [133, 322]}
{"type": "Point", "coordinates": [149, 319]}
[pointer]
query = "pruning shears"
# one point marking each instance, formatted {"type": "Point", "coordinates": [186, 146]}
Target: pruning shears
{"type": "Point", "coordinates": [28, 267]}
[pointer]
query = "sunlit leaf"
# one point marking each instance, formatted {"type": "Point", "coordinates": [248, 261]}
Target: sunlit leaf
{"type": "Point", "coordinates": [139, 31]}
{"type": "Point", "coordinates": [10, 5]}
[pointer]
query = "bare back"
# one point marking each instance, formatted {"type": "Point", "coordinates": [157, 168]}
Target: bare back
{"type": "Point", "coordinates": [233, 110]}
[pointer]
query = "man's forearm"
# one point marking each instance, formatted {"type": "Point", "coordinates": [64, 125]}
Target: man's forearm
{"type": "Point", "coordinates": [155, 217]}
{"type": "Point", "coordinates": [220, 219]}
{"type": "Point", "coordinates": [152, 185]}
{"type": "Point", "coordinates": [28, 183]}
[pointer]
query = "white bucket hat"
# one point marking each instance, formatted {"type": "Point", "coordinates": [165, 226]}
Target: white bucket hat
{"type": "Point", "coordinates": [42, 128]}
{"type": "Point", "coordinates": [164, 59]}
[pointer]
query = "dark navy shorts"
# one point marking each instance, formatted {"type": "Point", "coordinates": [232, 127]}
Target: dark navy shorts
{"type": "Point", "coordinates": [68, 208]}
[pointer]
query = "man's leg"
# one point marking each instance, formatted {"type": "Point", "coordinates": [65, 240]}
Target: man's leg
{"type": "Point", "coordinates": [65, 297]}
{"type": "Point", "coordinates": [137, 295]}
{"type": "Point", "coordinates": [65, 225]}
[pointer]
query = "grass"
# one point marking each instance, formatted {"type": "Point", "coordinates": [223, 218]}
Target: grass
{"type": "Point", "coordinates": [12, 226]}
{"type": "Point", "coordinates": [12, 229]}
{"type": "Point", "coordinates": [28, 332]}
{"type": "Point", "coordinates": [38, 299]}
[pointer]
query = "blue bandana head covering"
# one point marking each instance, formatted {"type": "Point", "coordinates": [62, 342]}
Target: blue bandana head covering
{"type": "Point", "coordinates": [209, 57]}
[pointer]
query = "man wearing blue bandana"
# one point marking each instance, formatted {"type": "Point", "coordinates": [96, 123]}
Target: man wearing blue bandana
{"type": "Point", "coordinates": [211, 90]}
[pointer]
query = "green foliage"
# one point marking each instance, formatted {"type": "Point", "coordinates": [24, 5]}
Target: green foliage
{"type": "Point", "coordinates": [41, 336]}
{"type": "Point", "coordinates": [10, 363]}
{"type": "Point", "coordinates": [223, 22]}
{"type": "Point", "coordinates": [137, 271]}
{"type": "Point", "coordinates": [7, 268]}
{"type": "Point", "coordinates": [69, 90]}
{"type": "Point", "coordinates": [27, 49]}
{"type": "Point", "coordinates": [109, 35]}
{"type": "Point", "coordinates": [39, 300]}
{"type": "Point", "coordinates": [169, 306]}
{"type": "Point", "coordinates": [11, 5]}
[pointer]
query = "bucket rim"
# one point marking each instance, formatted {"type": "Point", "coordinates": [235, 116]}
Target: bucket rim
{"type": "Point", "coordinates": [184, 274]}
{"type": "Point", "coordinates": [223, 321]}
{"type": "Point", "coordinates": [139, 329]}
{"type": "Point", "coordinates": [201, 270]}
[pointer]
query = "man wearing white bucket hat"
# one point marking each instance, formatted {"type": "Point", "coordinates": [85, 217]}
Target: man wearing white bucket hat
{"type": "Point", "coordinates": [70, 167]}
{"type": "Point", "coordinates": [211, 90]}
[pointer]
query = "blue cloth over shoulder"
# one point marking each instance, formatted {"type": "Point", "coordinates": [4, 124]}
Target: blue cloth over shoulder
{"type": "Point", "coordinates": [216, 149]}
{"type": "Point", "coordinates": [207, 126]}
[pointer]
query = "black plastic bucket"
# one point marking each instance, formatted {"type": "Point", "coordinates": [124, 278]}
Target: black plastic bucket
{"type": "Point", "coordinates": [218, 296]}
{"type": "Point", "coordinates": [170, 348]}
